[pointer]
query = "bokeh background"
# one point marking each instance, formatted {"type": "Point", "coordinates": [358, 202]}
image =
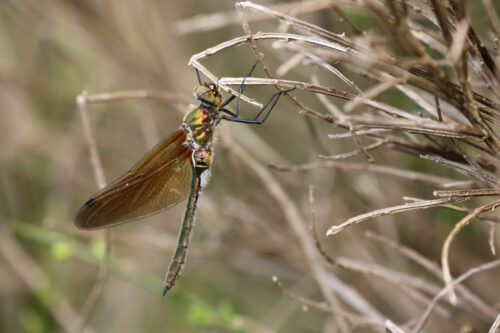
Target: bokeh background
{"type": "Point", "coordinates": [51, 51]}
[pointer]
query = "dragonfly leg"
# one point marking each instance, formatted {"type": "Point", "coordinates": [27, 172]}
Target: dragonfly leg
{"type": "Point", "coordinates": [198, 75]}
{"type": "Point", "coordinates": [240, 91]}
{"type": "Point", "coordinates": [266, 110]}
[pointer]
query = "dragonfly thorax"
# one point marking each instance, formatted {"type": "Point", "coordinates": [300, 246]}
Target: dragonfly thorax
{"type": "Point", "coordinates": [200, 122]}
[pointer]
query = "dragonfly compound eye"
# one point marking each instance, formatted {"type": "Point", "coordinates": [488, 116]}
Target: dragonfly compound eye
{"type": "Point", "coordinates": [208, 94]}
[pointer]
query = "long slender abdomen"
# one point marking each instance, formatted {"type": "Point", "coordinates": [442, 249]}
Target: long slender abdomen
{"type": "Point", "coordinates": [175, 269]}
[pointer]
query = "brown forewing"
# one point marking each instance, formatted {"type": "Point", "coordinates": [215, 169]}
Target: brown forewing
{"type": "Point", "coordinates": [161, 179]}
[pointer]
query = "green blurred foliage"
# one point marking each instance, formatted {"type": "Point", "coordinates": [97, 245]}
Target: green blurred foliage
{"type": "Point", "coordinates": [32, 322]}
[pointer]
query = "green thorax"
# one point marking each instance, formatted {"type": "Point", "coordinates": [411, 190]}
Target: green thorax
{"type": "Point", "coordinates": [200, 120]}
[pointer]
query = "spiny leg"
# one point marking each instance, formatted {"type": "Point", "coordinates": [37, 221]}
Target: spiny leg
{"type": "Point", "coordinates": [267, 108]}
{"type": "Point", "coordinates": [240, 91]}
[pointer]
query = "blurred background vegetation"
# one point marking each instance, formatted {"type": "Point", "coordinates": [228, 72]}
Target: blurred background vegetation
{"type": "Point", "coordinates": [51, 51]}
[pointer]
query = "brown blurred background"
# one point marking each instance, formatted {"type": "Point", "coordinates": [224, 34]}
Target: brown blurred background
{"type": "Point", "coordinates": [50, 52]}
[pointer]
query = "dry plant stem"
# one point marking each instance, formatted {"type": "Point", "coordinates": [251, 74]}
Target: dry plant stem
{"type": "Point", "coordinates": [452, 91]}
{"type": "Point", "coordinates": [425, 316]}
{"type": "Point", "coordinates": [328, 67]}
{"type": "Point", "coordinates": [468, 193]}
{"type": "Point", "coordinates": [481, 61]}
{"type": "Point", "coordinates": [299, 24]}
{"type": "Point", "coordinates": [354, 319]}
{"type": "Point", "coordinates": [464, 102]}
{"type": "Point", "coordinates": [493, 20]}
{"type": "Point", "coordinates": [365, 153]}
{"type": "Point", "coordinates": [290, 64]}
{"type": "Point", "coordinates": [427, 84]}
{"type": "Point", "coordinates": [95, 161]}
{"type": "Point", "coordinates": [420, 126]}
{"type": "Point", "coordinates": [461, 183]}
{"type": "Point", "coordinates": [295, 221]}
{"type": "Point", "coordinates": [382, 169]}
{"type": "Point", "coordinates": [422, 300]}
{"type": "Point", "coordinates": [372, 92]}
{"type": "Point", "coordinates": [393, 328]}
{"type": "Point", "coordinates": [494, 327]}
{"type": "Point", "coordinates": [334, 110]}
{"type": "Point", "coordinates": [397, 278]}
{"type": "Point", "coordinates": [432, 267]}
{"type": "Point", "coordinates": [438, 108]}
{"type": "Point", "coordinates": [491, 240]}
{"type": "Point", "coordinates": [484, 217]}
{"type": "Point", "coordinates": [33, 276]}
{"type": "Point", "coordinates": [267, 70]}
{"type": "Point", "coordinates": [393, 141]}
{"type": "Point", "coordinates": [447, 243]}
{"type": "Point", "coordinates": [209, 22]}
{"type": "Point", "coordinates": [134, 94]}
{"type": "Point", "coordinates": [411, 283]}
{"type": "Point", "coordinates": [253, 45]}
{"type": "Point", "coordinates": [330, 260]}
{"type": "Point", "coordinates": [393, 210]}
{"type": "Point", "coordinates": [354, 152]}
{"type": "Point", "coordinates": [417, 125]}
{"type": "Point", "coordinates": [459, 167]}
{"type": "Point", "coordinates": [358, 133]}
{"type": "Point", "coordinates": [485, 178]}
{"type": "Point", "coordinates": [407, 252]}
{"type": "Point", "coordinates": [344, 18]}
{"type": "Point", "coordinates": [331, 91]}
{"type": "Point", "coordinates": [195, 59]}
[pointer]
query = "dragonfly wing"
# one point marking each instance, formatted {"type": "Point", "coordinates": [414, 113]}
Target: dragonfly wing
{"type": "Point", "coordinates": [161, 179]}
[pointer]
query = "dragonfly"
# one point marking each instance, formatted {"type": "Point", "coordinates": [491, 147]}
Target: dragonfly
{"type": "Point", "coordinates": [178, 167]}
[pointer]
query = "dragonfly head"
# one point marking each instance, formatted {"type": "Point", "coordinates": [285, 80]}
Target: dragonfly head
{"type": "Point", "coordinates": [208, 93]}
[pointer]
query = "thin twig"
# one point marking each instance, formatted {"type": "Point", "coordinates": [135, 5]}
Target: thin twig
{"type": "Point", "coordinates": [432, 267]}
{"type": "Point", "coordinates": [457, 166]}
{"type": "Point", "coordinates": [411, 282]}
{"type": "Point", "coordinates": [294, 219]}
{"type": "Point", "coordinates": [382, 169]}
{"type": "Point", "coordinates": [354, 152]}
{"type": "Point", "coordinates": [358, 143]}
{"type": "Point", "coordinates": [133, 94]}
{"type": "Point", "coordinates": [355, 319]}
{"type": "Point", "coordinates": [393, 328]}
{"type": "Point", "coordinates": [468, 193]}
{"type": "Point", "coordinates": [485, 177]}
{"type": "Point", "coordinates": [484, 217]}
{"type": "Point", "coordinates": [491, 240]}
{"type": "Point", "coordinates": [95, 161]}
{"type": "Point", "coordinates": [447, 243]}
{"type": "Point", "coordinates": [496, 324]}
{"type": "Point", "coordinates": [425, 316]}
{"type": "Point", "coordinates": [358, 133]}
{"type": "Point", "coordinates": [392, 210]}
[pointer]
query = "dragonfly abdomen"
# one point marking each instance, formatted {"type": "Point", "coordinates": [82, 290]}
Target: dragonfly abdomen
{"type": "Point", "coordinates": [177, 264]}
